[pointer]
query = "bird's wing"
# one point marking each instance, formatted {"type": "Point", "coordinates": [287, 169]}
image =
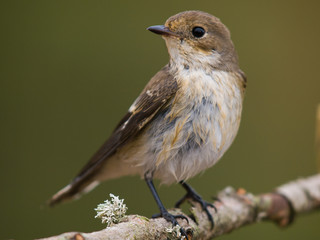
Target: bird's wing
{"type": "Point", "coordinates": [155, 95]}
{"type": "Point", "coordinates": [161, 88]}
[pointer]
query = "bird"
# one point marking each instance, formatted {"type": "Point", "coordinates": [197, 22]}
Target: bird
{"type": "Point", "coordinates": [183, 121]}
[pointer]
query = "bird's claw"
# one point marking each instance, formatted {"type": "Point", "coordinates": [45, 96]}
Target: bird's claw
{"type": "Point", "coordinates": [210, 205]}
{"type": "Point", "coordinates": [172, 218]}
{"type": "Point", "coordinates": [204, 205]}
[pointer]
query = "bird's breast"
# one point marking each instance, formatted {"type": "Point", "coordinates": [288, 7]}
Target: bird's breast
{"type": "Point", "coordinates": [198, 125]}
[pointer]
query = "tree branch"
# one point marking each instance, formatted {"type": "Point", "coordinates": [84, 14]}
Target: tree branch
{"type": "Point", "coordinates": [234, 209]}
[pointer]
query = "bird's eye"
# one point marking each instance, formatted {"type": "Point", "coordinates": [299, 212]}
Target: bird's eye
{"type": "Point", "coordinates": [198, 32]}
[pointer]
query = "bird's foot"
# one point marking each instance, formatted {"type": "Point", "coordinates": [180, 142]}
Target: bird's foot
{"type": "Point", "coordinates": [172, 219]}
{"type": "Point", "coordinates": [191, 194]}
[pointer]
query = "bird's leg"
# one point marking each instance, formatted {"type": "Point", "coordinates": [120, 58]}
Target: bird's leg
{"type": "Point", "coordinates": [191, 193]}
{"type": "Point", "coordinates": [163, 211]}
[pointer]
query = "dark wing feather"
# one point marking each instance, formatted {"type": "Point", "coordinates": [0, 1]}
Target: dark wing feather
{"type": "Point", "coordinates": [155, 95]}
{"type": "Point", "coordinates": [161, 88]}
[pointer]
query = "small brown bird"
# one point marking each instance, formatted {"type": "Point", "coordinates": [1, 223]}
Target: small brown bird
{"type": "Point", "coordinates": [183, 121]}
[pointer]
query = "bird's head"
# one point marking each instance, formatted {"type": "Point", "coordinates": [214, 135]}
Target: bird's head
{"type": "Point", "coordinates": [198, 39]}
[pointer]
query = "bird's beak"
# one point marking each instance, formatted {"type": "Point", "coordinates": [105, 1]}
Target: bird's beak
{"type": "Point", "coordinates": [162, 30]}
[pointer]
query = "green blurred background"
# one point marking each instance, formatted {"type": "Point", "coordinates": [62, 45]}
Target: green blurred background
{"type": "Point", "coordinates": [71, 69]}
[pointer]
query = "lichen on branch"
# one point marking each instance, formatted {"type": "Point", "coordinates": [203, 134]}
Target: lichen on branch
{"type": "Point", "coordinates": [235, 208]}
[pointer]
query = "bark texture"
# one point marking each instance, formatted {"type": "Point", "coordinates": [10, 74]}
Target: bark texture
{"type": "Point", "coordinates": [235, 208]}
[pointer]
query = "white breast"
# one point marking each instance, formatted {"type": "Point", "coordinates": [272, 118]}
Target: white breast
{"type": "Point", "coordinates": [197, 128]}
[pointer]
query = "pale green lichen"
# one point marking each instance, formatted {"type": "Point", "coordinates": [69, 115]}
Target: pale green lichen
{"type": "Point", "coordinates": [111, 212]}
{"type": "Point", "coordinates": [175, 233]}
{"type": "Point", "coordinates": [143, 218]}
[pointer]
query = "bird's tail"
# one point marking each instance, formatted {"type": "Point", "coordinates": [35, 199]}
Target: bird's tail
{"type": "Point", "coordinates": [72, 191]}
